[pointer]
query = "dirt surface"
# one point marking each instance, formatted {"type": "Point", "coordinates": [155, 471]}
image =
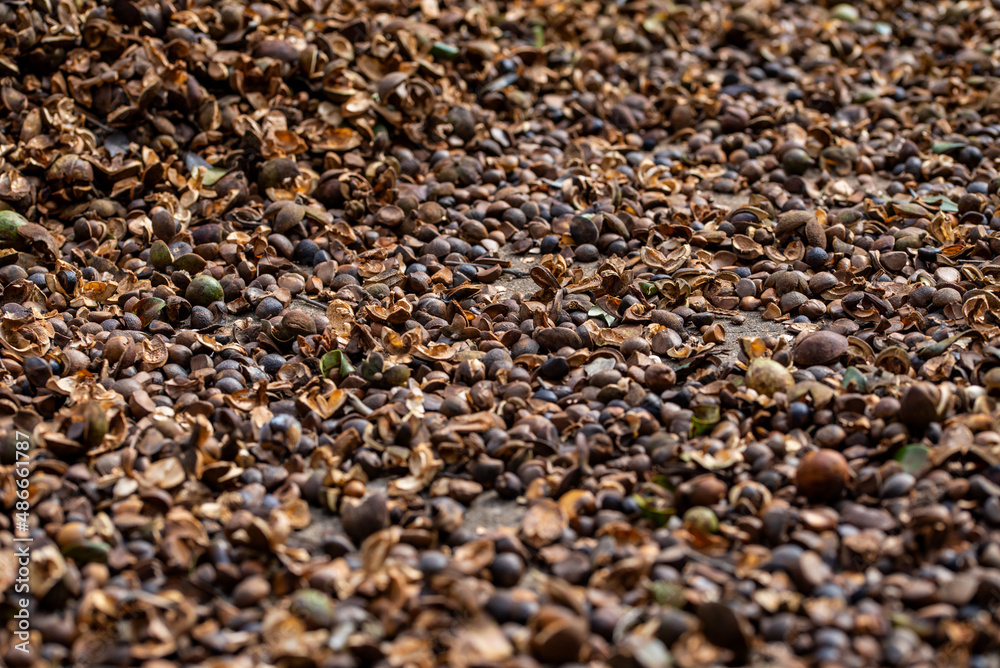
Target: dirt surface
{"type": "Point", "coordinates": [487, 512]}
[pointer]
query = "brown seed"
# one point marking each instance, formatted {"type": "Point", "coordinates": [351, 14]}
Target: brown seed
{"type": "Point", "coordinates": [635, 344]}
{"type": "Point", "coordinates": [725, 628]}
{"type": "Point", "coordinates": [363, 517]}
{"type": "Point", "coordinates": [251, 591]}
{"type": "Point", "coordinates": [811, 571]}
{"type": "Point", "coordinates": [946, 296]}
{"type": "Point", "coordinates": [746, 288]}
{"type": "Point", "coordinates": [815, 236]}
{"type": "Point", "coordinates": [790, 301]}
{"type": "Point", "coordinates": [71, 533]}
{"type": "Point", "coordinates": [921, 296]}
{"type": "Point", "coordinates": [887, 408]}
{"type": "Point", "coordinates": [295, 323]}
{"type": "Point", "coordinates": [822, 282]}
{"type": "Point", "coordinates": [893, 261]}
{"type": "Point", "coordinates": [819, 348]}
{"type": "Point", "coordinates": [919, 404]}
{"type": "Point", "coordinates": [277, 173]}
{"type": "Point", "coordinates": [704, 490]}
{"type": "Point", "coordinates": [660, 377]}
{"type": "Point", "coordinates": [554, 338]}
{"type": "Point", "coordinates": [822, 475]}
{"type": "Point", "coordinates": [812, 309]}
{"type": "Point", "coordinates": [559, 636]}
{"type": "Point", "coordinates": [288, 217]}
{"type": "Point", "coordinates": [791, 221]}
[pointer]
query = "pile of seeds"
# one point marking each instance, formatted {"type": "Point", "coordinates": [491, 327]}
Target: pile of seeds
{"type": "Point", "coordinates": [501, 334]}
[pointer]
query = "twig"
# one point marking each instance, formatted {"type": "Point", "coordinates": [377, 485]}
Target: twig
{"type": "Point", "coordinates": [311, 302]}
{"type": "Point", "coordinates": [90, 117]}
{"type": "Point", "coordinates": [484, 263]}
{"type": "Point", "coordinates": [359, 405]}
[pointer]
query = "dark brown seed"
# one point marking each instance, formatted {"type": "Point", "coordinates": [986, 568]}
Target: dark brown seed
{"type": "Point", "coordinates": [363, 517]}
{"type": "Point", "coordinates": [819, 348]}
{"type": "Point", "coordinates": [822, 475]}
{"type": "Point", "coordinates": [583, 230]}
{"type": "Point", "coordinates": [554, 338]}
{"type": "Point", "coordinates": [919, 405]}
{"type": "Point", "coordinates": [791, 221]}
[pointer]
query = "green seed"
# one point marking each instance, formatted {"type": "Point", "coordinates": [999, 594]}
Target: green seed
{"type": "Point", "coordinates": [445, 51]}
{"type": "Point", "coordinates": [314, 607]}
{"type": "Point", "coordinates": [160, 256]}
{"type": "Point", "coordinates": [846, 13]}
{"type": "Point", "coordinates": [203, 290]}
{"type": "Point", "coordinates": [796, 161]}
{"type": "Point", "coordinates": [396, 375]}
{"type": "Point", "coordinates": [767, 377]}
{"type": "Point", "coordinates": [192, 263]}
{"type": "Point", "coordinates": [701, 521]}
{"type": "Point", "coordinates": [9, 222]}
